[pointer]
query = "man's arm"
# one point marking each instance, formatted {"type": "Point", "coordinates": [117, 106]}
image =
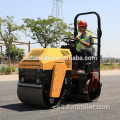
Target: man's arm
{"type": "Point", "coordinates": [82, 42]}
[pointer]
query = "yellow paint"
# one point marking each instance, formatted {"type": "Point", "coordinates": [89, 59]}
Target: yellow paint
{"type": "Point", "coordinates": [38, 58]}
{"type": "Point", "coordinates": [58, 75]}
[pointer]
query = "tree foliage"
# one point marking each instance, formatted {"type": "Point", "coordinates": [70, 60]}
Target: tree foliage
{"type": "Point", "coordinates": [15, 53]}
{"type": "Point", "coordinates": [48, 31]}
{"type": "Point", "coordinates": [8, 32]}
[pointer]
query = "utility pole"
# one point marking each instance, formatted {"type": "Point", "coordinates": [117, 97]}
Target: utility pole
{"type": "Point", "coordinates": [57, 11]}
{"type": "Point", "coordinates": [29, 46]}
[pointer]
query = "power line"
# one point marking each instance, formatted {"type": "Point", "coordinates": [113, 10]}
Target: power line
{"type": "Point", "coordinates": [16, 5]}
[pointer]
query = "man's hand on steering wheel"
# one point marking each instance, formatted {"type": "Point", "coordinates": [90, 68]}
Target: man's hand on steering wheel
{"type": "Point", "coordinates": [69, 40]}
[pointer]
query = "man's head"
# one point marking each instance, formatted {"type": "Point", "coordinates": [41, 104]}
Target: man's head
{"type": "Point", "coordinates": [82, 26]}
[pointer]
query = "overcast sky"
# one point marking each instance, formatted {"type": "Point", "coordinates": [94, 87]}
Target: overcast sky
{"type": "Point", "coordinates": [109, 11]}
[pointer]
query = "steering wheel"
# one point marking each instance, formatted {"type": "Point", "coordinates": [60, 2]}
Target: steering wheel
{"type": "Point", "coordinates": [69, 41]}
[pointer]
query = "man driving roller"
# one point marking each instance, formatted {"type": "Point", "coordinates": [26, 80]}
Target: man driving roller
{"type": "Point", "coordinates": [83, 46]}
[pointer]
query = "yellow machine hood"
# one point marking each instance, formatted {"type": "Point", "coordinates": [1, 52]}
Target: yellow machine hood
{"type": "Point", "coordinates": [45, 58]}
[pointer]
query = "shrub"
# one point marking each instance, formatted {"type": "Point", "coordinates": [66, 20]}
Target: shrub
{"type": "Point", "coordinates": [7, 70]}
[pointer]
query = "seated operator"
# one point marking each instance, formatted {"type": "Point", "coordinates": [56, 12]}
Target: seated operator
{"type": "Point", "coordinates": [83, 46]}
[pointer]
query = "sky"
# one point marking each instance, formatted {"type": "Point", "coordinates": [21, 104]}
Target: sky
{"type": "Point", "coordinates": [108, 10]}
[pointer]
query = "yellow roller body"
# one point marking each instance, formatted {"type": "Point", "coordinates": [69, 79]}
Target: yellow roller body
{"type": "Point", "coordinates": [58, 76]}
{"type": "Point", "coordinates": [45, 58]}
{"type": "Point", "coordinates": [40, 62]}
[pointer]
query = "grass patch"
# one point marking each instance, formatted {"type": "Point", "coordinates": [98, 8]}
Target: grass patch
{"type": "Point", "coordinates": [110, 67]}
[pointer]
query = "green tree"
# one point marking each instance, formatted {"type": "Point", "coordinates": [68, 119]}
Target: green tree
{"type": "Point", "coordinates": [2, 53]}
{"type": "Point", "coordinates": [15, 53]}
{"type": "Point", "coordinates": [101, 56]}
{"type": "Point", "coordinates": [8, 32]}
{"type": "Point", "coordinates": [68, 33]}
{"type": "Point", "coordinates": [48, 31]}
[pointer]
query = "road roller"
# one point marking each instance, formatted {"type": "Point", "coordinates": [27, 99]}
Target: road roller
{"type": "Point", "coordinates": [48, 75]}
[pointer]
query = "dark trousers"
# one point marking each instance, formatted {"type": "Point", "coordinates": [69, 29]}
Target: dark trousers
{"type": "Point", "coordinates": [83, 53]}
